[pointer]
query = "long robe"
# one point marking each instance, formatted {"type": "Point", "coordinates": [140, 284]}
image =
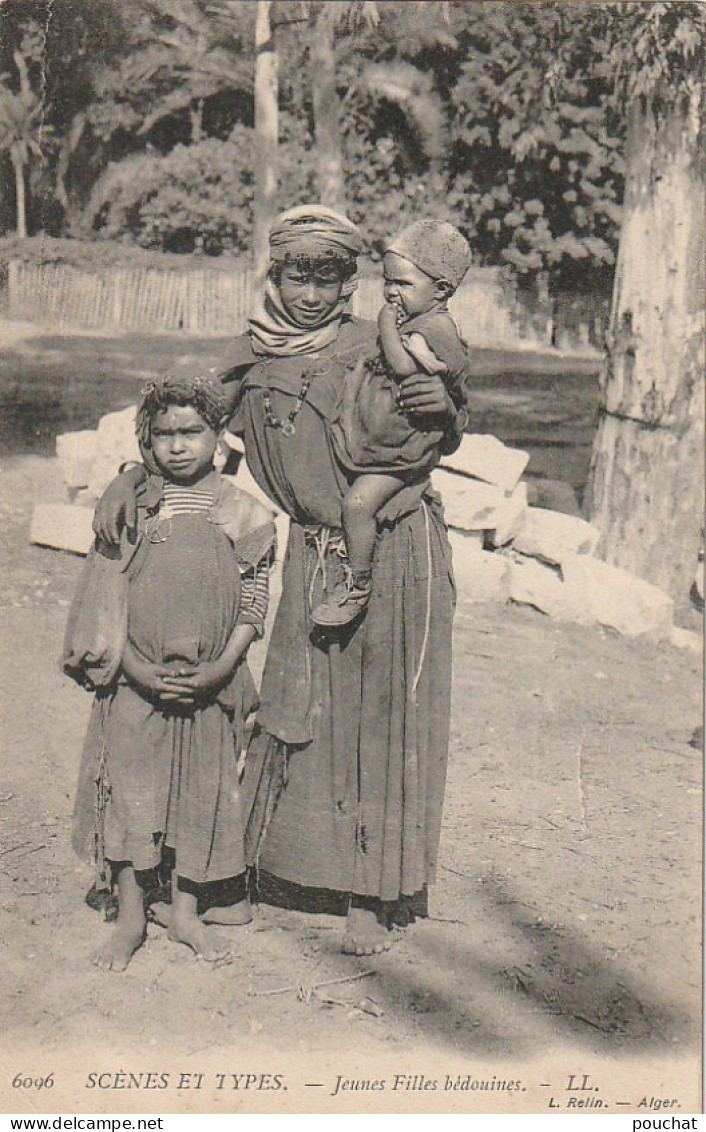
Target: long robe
{"type": "Point", "coordinates": [344, 780]}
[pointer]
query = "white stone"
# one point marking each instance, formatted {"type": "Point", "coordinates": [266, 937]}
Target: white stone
{"type": "Point", "coordinates": [510, 517]}
{"type": "Point", "coordinates": [533, 583]}
{"type": "Point", "coordinates": [104, 469]}
{"type": "Point", "coordinates": [62, 527]}
{"type": "Point", "coordinates": [469, 504]}
{"type": "Point", "coordinates": [76, 452]}
{"type": "Point", "coordinates": [116, 434]}
{"type": "Point", "coordinates": [616, 599]}
{"type": "Point", "coordinates": [116, 443]}
{"type": "Point", "coordinates": [551, 536]}
{"type": "Point", "coordinates": [480, 576]}
{"type": "Point", "coordinates": [684, 639]}
{"type": "Point", "coordinates": [487, 458]}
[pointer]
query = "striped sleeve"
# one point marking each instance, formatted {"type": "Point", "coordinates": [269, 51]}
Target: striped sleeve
{"type": "Point", "coordinates": [255, 582]}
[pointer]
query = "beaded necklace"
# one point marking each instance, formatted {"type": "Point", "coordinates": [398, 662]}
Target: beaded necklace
{"type": "Point", "coordinates": [286, 426]}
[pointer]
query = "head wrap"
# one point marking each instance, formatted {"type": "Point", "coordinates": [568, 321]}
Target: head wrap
{"type": "Point", "coordinates": [436, 248]}
{"type": "Point", "coordinates": [201, 391]}
{"type": "Point", "coordinates": [316, 233]}
{"type": "Point", "coordinates": [319, 237]}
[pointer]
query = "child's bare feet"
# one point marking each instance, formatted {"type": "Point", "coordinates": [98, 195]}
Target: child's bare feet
{"type": "Point", "coordinates": [160, 913]}
{"type": "Point", "coordinates": [186, 927]}
{"type": "Point", "coordinates": [129, 931]}
{"type": "Point", "coordinates": [364, 934]}
{"type": "Point", "coordinates": [190, 931]}
{"type": "Point", "coordinates": [116, 952]}
{"type": "Point", "coordinates": [232, 915]}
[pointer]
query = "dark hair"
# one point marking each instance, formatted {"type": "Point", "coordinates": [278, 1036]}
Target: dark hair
{"type": "Point", "coordinates": [343, 266]}
{"type": "Point", "coordinates": [202, 393]}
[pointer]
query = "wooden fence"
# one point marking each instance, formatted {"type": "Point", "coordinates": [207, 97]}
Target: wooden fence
{"type": "Point", "coordinates": [195, 301]}
{"type": "Point", "coordinates": [206, 301]}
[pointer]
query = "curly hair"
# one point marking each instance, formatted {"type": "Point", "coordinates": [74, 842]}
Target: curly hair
{"type": "Point", "coordinates": [202, 392]}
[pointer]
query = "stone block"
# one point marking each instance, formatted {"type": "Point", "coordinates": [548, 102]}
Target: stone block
{"type": "Point", "coordinates": [116, 435]}
{"type": "Point", "coordinates": [550, 536]}
{"type": "Point", "coordinates": [487, 458]}
{"type": "Point", "coordinates": [469, 504]}
{"type": "Point", "coordinates": [115, 443]}
{"type": "Point", "coordinates": [76, 452]}
{"type": "Point", "coordinates": [616, 599]}
{"type": "Point", "coordinates": [480, 575]}
{"type": "Point", "coordinates": [684, 639]}
{"type": "Point", "coordinates": [62, 527]}
{"type": "Point", "coordinates": [510, 517]}
{"type": "Point", "coordinates": [536, 584]}
{"type": "Point", "coordinates": [103, 469]}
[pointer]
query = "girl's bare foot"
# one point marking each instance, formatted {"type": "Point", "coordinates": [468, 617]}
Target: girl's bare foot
{"type": "Point", "coordinates": [364, 935]}
{"type": "Point", "coordinates": [232, 915]}
{"type": "Point", "coordinates": [129, 931]}
{"type": "Point", "coordinates": [116, 952]}
{"type": "Point", "coordinates": [190, 931]}
{"type": "Point", "coordinates": [186, 927]}
{"type": "Point", "coordinates": [160, 913]}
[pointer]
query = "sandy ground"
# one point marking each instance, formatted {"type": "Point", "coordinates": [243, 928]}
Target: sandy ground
{"type": "Point", "coordinates": [564, 934]}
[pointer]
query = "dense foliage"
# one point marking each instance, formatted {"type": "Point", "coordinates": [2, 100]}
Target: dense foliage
{"type": "Point", "coordinates": [136, 120]}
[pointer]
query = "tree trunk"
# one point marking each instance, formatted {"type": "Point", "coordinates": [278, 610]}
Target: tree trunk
{"type": "Point", "coordinates": [196, 117]}
{"type": "Point", "coordinates": [646, 484]}
{"type": "Point", "coordinates": [266, 136]}
{"type": "Point", "coordinates": [327, 128]}
{"type": "Point", "coordinates": [21, 207]}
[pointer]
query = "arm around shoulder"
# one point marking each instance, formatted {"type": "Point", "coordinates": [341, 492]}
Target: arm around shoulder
{"type": "Point", "coordinates": [117, 507]}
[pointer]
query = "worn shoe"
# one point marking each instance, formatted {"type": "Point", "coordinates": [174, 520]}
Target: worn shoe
{"type": "Point", "coordinates": [346, 603]}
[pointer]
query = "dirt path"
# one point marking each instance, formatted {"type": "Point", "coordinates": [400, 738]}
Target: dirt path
{"type": "Point", "coordinates": [565, 922]}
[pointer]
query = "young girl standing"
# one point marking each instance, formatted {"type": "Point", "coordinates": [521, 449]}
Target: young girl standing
{"type": "Point", "coordinates": [159, 781]}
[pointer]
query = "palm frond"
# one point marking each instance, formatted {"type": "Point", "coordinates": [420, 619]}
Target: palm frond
{"type": "Point", "coordinates": [412, 91]}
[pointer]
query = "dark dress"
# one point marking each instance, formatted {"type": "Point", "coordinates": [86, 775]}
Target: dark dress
{"type": "Point", "coordinates": [344, 780]}
{"type": "Point", "coordinates": [372, 433]}
{"type": "Point", "coordinates": [156, 778]}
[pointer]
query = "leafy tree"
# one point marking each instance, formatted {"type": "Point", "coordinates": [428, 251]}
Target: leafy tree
{"type": "Point", "coordinates": [66, 46]}
{"type": "Point", "coordinates": [537, 140]}
{"type": "Point", "coordinates": [21, 128]}
{"type": "Point", "coordinates": [180, 58]}
{"type": "Point", "coordinates": [195, 197]}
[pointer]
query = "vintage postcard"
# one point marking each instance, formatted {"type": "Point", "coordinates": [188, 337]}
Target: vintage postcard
{"type": "Point", "coordinates": [362, 773]}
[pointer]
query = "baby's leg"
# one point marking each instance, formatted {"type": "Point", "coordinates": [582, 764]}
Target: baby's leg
{"type": "Point", "coordinates": [129, 931]}
{"type": "Point", "coordinates": [186, 927]}
{"type": "Point", "coordinates": [361, 504]}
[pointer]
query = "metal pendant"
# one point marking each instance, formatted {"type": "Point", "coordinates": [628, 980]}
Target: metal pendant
{"type": "Point", "coordinates": [287, 428]}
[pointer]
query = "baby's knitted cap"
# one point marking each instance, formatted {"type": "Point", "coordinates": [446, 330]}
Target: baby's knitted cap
{"type": "Point", "coordinates": [435, 247]}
